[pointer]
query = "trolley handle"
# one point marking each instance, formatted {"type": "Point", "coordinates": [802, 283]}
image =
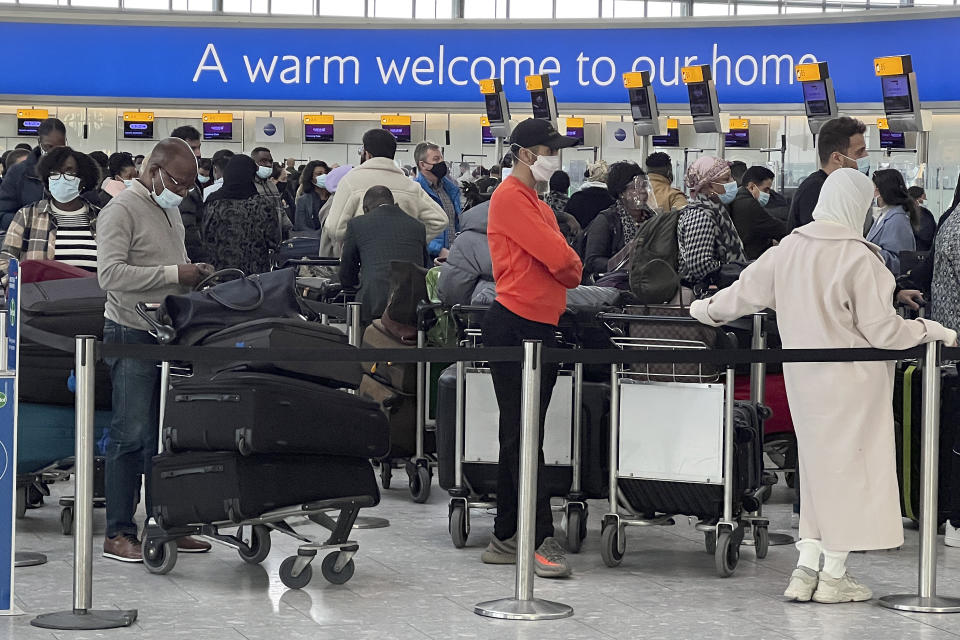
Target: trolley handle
{"type": "Point", "coordinates": [625, 317]}
{"type": "Point", "coordinates": [162, 332]}
{"type": "Point", "coordinates": [309, 262]}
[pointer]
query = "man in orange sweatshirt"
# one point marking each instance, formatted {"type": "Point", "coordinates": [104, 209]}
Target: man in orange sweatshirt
{"type": "Point", "coordinates": [533, 267]}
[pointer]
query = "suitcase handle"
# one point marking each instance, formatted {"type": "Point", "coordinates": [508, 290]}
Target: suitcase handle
{"type": "Point", "coordinates": [215, 397]}
{"type": "Point", "coordinates": [176, 473]}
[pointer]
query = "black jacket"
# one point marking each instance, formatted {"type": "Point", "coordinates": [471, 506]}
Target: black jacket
{"type": "Point", "coordinates": [757, 228]}
{"type": "Point", "coordinates": [927, 230]}
{"type": "Point", "coordinates": [587, 203]}
{"type": "Point", "coordinates": [371, 242]}
{"type": "Point", "coordinates": [20, 187]}
{"type": "Point", "coordinates": [805, 200]}
{"type": "Point", "coordinates": [602, 239]}
{"type": "Point", "coordinates": [191, 212]}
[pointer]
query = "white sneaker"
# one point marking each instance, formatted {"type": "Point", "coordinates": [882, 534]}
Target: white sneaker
{"type": "Point", "coordinates": [803, 583]}
{"type": "Point", "coordinates": [836, 590]}
{"type": "Point", "coordinates": [951, 535]}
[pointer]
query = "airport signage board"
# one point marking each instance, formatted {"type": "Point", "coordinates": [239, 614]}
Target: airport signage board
{"type": "Point", "coordinates": [751, 63]}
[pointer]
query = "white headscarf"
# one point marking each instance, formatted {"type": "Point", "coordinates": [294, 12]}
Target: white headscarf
{"type": "Point", "coordinates": [845, 199]}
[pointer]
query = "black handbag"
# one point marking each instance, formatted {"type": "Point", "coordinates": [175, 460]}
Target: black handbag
{"type": "Point", "coordinates": [198, 314]}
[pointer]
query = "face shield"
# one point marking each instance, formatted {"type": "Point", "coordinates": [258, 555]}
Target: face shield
{"type": "Point", "coordinates": [638, 195]}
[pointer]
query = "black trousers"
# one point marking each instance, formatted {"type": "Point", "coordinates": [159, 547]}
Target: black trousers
{"type": "Point", "coordinates": [503, 328]}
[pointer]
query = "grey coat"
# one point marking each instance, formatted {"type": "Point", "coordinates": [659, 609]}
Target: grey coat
{"type": "Point", "coordinates": [469, 262]}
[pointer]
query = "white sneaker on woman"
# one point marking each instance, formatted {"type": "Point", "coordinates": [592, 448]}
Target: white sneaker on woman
{"type": "Point", "coordinates": [951, 535]}
{"type": "Point", "coordinates": [837, 590]}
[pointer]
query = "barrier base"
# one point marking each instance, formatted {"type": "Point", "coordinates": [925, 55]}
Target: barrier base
{"type": "Point", "coordinates": [370, 522]}
{"type": "Point", "coordinates": [910, 602]}
{"type": "Point", "coordinates": [79, 620]}
{"type": "Point", "coordinates": [513, 609]}
{"type": "Point", "coordinates": [28, 559]}
{"type": "Point", "coordinates": [774, 540]}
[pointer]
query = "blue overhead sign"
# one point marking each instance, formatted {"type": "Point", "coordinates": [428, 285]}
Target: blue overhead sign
{"type": "Point", "coordinates": [752, 64]}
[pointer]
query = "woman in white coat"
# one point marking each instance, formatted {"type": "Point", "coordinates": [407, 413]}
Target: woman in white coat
{"type": "Point", "coordinates": [830, 289]}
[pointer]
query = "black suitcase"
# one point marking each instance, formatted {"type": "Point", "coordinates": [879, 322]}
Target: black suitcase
{"type": "Point", "coordinates": [287, 333]}
{"type": "Point", "coordinates": [400, 410]}
{"type": "Point", "coordinates": [263, 413]}
{"type": "Point", "coordinates": [66, 307]}
{"type": "Point", "coordinates": [207, 487]}
{"type": "Point", "coordinates": [705, 501]}
{"type": "Point", "coordinates": [297, 249]}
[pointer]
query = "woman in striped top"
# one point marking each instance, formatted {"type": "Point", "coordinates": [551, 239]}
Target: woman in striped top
{"type": "Point", "coordinates": [61, 225]}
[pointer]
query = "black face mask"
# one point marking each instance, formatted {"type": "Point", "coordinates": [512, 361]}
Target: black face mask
{"type": "Point", "coordinates": [439, 170]}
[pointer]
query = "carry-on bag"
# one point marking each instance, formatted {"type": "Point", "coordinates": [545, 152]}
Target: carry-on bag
{"type": "Point", "coordinates": [401, 411]}
{"type": "Point", "coordinates": [400, 376]}
{"type": "Point", "coordinates": [670, 334]}
{"type": "Point", "coordinates": [254, 412]}
{"type": "Point", "coordinates": [208, 487]}
{"type": "Point", "coordinates": [46, 434]}
{"type": "Point", "coordinates": [287, 333]}
{"type": "Point", "coordinates": [49, 270]}
{"type": "Point", "coordinates": [294, 249]}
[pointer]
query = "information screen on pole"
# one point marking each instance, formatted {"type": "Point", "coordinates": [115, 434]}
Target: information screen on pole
{"type": "Point", "coordinates": [218, 126]}
{"type": "Point", "coordinates": [399, 126]}
{"type": "Point", "coordinates": [815, 98]}
{"type": "Point", "coordinates": [896, 94]}
{"type": "Point", "coordinates": [486, 136]}
{"type": "Point", "coordinates": [639, 104]}
{"type": "Point", "coordinates": [671, 138]}
{"type": "Point", "coordinates": [494, 109]}
{"type": "Point", "coordinates": [138, 125]}
{"type": "Point", "coordinates": [699, 94]}
{"type": "Point", "coordinates": [575, 129]}
{"type": "Point", "coordinates": [892, 139]}
{"type": "Point", "coordinates": [541, 105]}
{"type": "Point", "coordinates": [28, 121]}
{"type": "Point", "coordinates": [318, 128]}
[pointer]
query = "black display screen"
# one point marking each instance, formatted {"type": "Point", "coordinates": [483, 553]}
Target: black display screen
{"type": "Point", "coordinates": [639, 104]}
{"type": "Point", "coordinates": [137, 130]}
{"type": "Point", "coordinates": [541, 105]}
{"type": "Point", "coordinates": [896, 94]}
{"type": "Point", "coordinates": [494, 112]}
{"type": "Point", "coordinates": [699, 94]}
{"type": "Point", "coordinates": [27, 126]}
{"type": "Point", "coordinates": [486, 137]}
{"type": "Point", "coordinates": [400, 131]}
{"type": "Point", "coordinates": [670, 139]}
{"type": "Point", "coordinates": [737, 138]}
{"type": "Point", "coordinates": [218, 131]}
{"type": "Point", "coordinates": [318, 132]}
{"type": "Point", "coordinates": [892, 139]}
{"type": "Point", "coordinates": [815, 98]}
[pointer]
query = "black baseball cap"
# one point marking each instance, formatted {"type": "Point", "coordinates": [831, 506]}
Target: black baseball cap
{"type": "Point", "coordinates": [532, 132]}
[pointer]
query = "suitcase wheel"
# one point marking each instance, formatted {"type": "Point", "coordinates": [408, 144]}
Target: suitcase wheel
{"type": "Point", "coordinates": [159, 558]}
{"type": "Point", "coordinates": [258, 548]}
{"type": "Point", "coordinates": [328, 569]}
{"type": "Point", "coordinates": [291, 581]}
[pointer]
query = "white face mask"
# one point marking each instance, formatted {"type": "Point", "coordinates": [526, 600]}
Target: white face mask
{"type": "Point", "coordinates": [264, 172]}
{"type": "Point", "coordinates": [543, 167]}
{"type": "Point", "coordinates": [167, 199]}
{"type": "Point", "coordinates": [64, 188]}
{"type": "Point", "coordinates": [203, 179]}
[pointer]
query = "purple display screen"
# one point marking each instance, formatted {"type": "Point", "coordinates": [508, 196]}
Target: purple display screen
{"type": "Point", "coordinates": [892, 139]}
{"type": "Point", "coordinates": [486, 137]}
{"type": "Point", "coordinates": [318, 132]}
{"type": "Point", "coordinates": [138, 130]}
{"type": "Point", "coordinates": [400, 131]}
{"type": "Point", "coordinates": [737, 138]}
{"type": "Point", "coordinates": [815, 98]}
{"type": "Point", "coordinates": [670, 139]}
{"type": "Point", "coordinates": [218, 131]}
{"type": "Point", "coordinates": [27, 126]}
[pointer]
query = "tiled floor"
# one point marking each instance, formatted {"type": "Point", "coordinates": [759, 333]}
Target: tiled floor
{"type": "Point", "coordinates": [411, 582]}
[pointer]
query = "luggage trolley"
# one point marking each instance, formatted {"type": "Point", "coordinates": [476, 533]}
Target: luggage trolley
{"type": "Point", "coordinates": [679, 443]}
{"type": "Point", "coordinates": [252, 537]}
{"type": "Point", "coordinates": [479, 444]}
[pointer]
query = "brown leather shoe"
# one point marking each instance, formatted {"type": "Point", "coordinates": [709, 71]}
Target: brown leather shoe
{"type": "Point", "coordinates": [124, 547]}
{"type": "Point", "coordinates": [189, 544]}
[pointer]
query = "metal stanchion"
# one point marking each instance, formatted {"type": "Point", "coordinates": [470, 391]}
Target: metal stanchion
{"type": "Point", "coordinates": [354, 338]}
{"type": "Point", "coordinates": [927, 600]}
{"type": "Point", "coordinates": [82, 617]}
{"type": "Point", "coordinates": [523, 606]}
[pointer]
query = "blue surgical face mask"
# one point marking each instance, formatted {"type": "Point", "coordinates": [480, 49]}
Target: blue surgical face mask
{"type": "Point", "coordinates": [264, 172]}
{"type": "Point", "coordinates": [127, 183]}
{"type": "Point", "coordinates": [64, 188]}
{"type": "Point", "coordinates": [203, 179]}
{"type": "Point", "coordinates": [863, 164]}
{"type": "Point", "coordinates": [167, 199]}
{"type": "Point", "coordinates": [763, 198]}
{"type": "Point", "coordinates": [729, 192]}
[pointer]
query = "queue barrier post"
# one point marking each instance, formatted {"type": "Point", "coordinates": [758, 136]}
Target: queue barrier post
{"type": "Point", "coordinates": [927, 600]}
{"type": "Point", "coordinates": [523, 606]}
{"type": "Point", "coordinates": [82, 616]}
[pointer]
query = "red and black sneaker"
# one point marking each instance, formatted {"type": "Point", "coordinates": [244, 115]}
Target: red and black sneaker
{"type": "Point", "coordinates": [550, 560]}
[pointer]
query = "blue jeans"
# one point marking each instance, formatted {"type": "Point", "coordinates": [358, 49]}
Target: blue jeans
{"type": "Point", "coordinates": [133, 430]}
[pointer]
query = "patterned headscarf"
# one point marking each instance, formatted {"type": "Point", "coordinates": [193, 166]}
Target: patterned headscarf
{"type": "Point", "coordinates": [703, 172]}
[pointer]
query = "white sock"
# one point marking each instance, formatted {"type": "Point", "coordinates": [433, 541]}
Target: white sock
{"type": "Point", "coordinates": [835, 563]}
{"type": "Point", "coordinates": [810, 550]}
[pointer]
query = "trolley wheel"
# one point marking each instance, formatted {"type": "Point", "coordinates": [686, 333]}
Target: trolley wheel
{"type": "Point", "coordinates": [710, 541]}
{"type": "Point", "coordinates": [386, 472]}
{"type": "Point", "coordinates": [761, 541]}
{"type": "Point", "coordinates": [420, 482]}
{"type": "Point", "coordinates": [613, 544]}
{"type": "Point", "coordinates": [259, 545]}
{"type": "Point", "coordinates": [727, 555]}
{"type": "Point", "coordinates": [294, 582]}
{"type": "Point", "coordinates": [336, 577]}
{"type": "Point", "coordinates": [243, 447]}
{"type": "Point", "coordinates": [21, 502]}
{"type": "Point", "coordinates": [160, 558]}
{"type": "Point", "coordinates": [576, 527]}
{"type": "Point", "coordinates": [458, 526]}
{"type": "Point", "coordinates": [34, 497]}
{"type": "Point", "coordinates": [66, 521]}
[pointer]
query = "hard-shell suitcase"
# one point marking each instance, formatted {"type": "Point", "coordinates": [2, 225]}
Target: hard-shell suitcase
{"type": "Point", "coordinates": [46, 434]}
{"type": "Point", "coordinates": [202, 487]}
{"type": "Point", "coordinates": [288, 333]}
{"type": "Point", "coordinates": [705, 501]}
{"type": "Point", "coordinates": [253, 412]}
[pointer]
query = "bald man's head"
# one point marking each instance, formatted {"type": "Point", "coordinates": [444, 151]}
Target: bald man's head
{"type": "Point", "coordinates": [375, 197]}
{"type": "Point", "coordinates": [170, 165]}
